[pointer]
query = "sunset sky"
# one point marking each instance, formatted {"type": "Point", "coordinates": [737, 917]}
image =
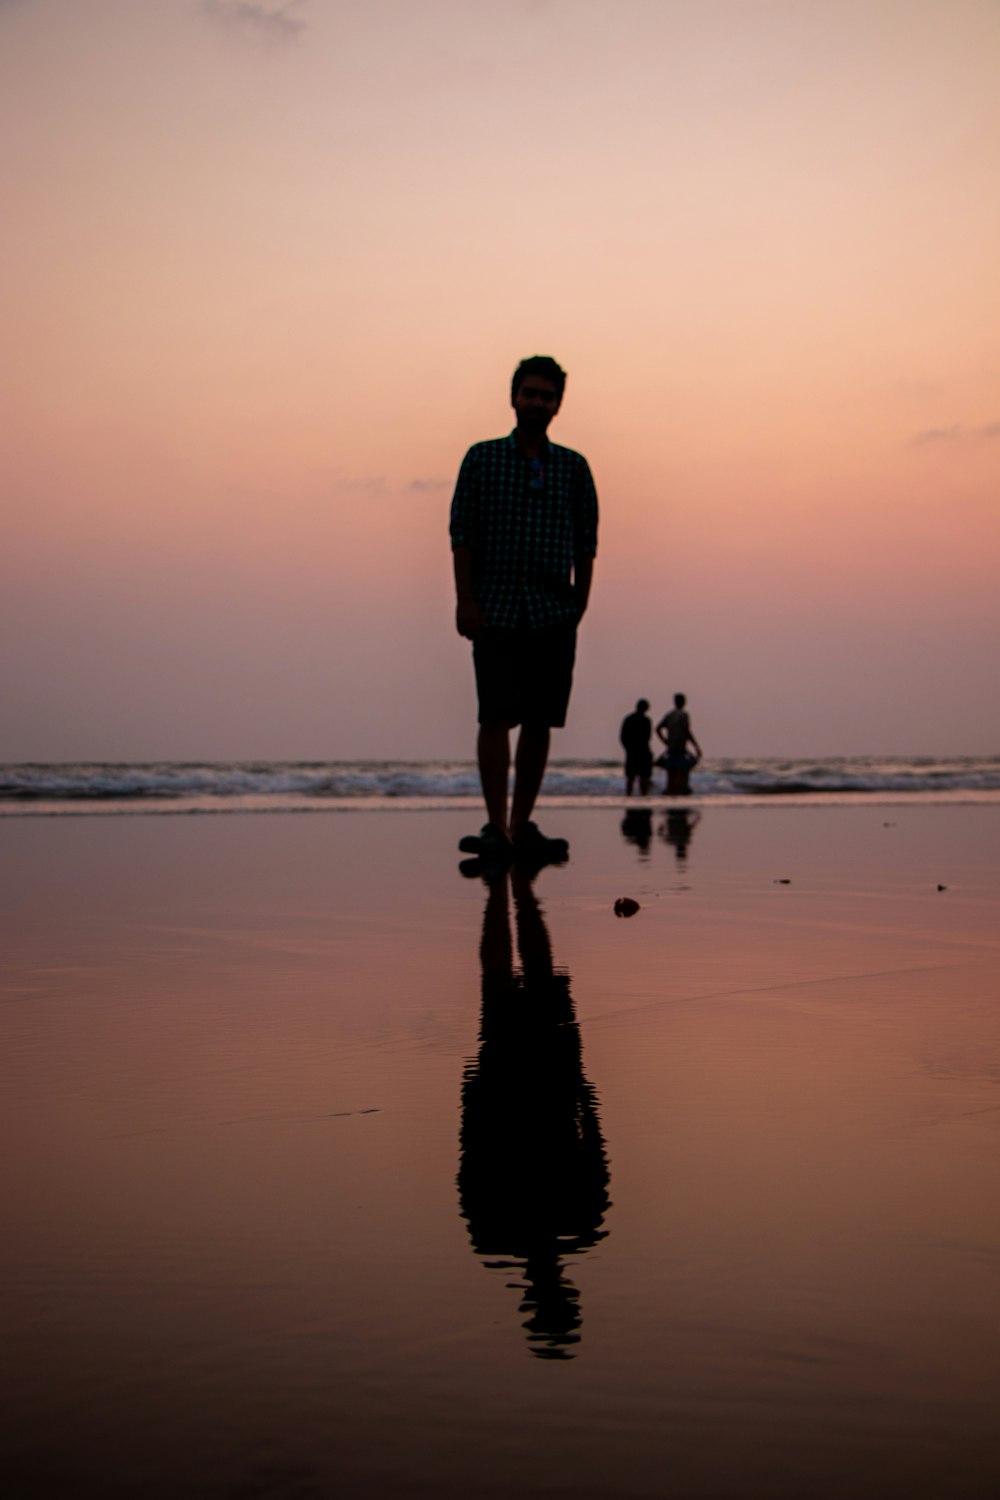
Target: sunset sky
{"type": "Point", "coordinates": [268, 267]}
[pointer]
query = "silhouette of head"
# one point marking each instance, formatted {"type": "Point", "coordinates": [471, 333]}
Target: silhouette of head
{"type": "Point", "coordinates": [679, 700]}
{"type": "Point", "coordinates": [642, 705]}
{"type": "Point", "coordinates": [545, 367]}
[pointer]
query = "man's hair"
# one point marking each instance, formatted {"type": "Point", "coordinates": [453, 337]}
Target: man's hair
{"type": "Point", "coordinates": [642, 705]}
{"type": "Point", "coordinates": [539, 364]}
{"type": "Point", "coordinates": [680, 699]}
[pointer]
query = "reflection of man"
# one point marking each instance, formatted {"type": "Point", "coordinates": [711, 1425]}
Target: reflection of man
{"type": "Point", "coordinates": [677, 829]}
{"type": "Point", "coordinates": [674, 729]}
{"type": "Point", "coordinates": [637, 829]}
{"type": "Point", "coordinates": [635, 735]}
{"type": "Point", "coordinates": [524, 535]}
{"type": "Point", "coordinates": [533, 1176]}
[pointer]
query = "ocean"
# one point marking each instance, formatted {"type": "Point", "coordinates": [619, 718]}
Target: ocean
{"type": "Point", "coordinates": [245, 786]}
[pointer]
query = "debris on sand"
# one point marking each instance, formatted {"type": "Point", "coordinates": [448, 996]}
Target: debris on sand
{"type": "Point", "coordinates": [626, 907]}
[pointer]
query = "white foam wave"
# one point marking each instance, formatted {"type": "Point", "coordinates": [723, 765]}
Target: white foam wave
{"type": "Point", "coordinates": [301, 784]}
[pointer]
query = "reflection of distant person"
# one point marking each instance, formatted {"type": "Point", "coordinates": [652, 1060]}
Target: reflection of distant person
{"type": "Point", "coordinates": [636, 733]}
{"type": "Point", "coordinates": [637, 829]}
{"type": "Point", "coordinates": [674, 729]}
{"type": "Point", "coordinates": [677, 828]}
{"type": "Point", "coordinates": [533, 1176]}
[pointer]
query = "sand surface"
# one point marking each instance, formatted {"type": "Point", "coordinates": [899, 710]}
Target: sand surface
{"type": "Point", "coordinates": [329, 1173]}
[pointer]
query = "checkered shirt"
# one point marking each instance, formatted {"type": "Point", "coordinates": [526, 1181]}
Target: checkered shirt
{"type": "Point", "coordinates": [525, 523]}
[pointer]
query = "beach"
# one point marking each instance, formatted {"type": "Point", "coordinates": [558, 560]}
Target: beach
{"type": "Point", "coordinates": [331, 1172]}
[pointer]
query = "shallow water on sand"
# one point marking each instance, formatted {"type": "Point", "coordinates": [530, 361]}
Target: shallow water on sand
{"type": "Point", "coordinates": [330, 1173]}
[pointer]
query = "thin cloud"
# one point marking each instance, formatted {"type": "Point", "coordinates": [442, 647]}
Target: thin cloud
{"type": "Point", "coordinates": [957, 433]}
{"type": "Point", "coordinates": [427, 486]}
{"type": "Point", "coordinates": [369, 485]}
{"type": "Point", "coordinates": [278, 20]}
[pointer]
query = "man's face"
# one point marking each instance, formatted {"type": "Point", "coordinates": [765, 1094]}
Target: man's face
{"type": "Point", "coordinates": [536, 403]}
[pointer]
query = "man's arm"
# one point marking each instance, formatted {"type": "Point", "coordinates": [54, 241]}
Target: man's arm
{"type": "Point", "coordinates": [585, 533]}
{"type": "Point", "coordinates": [583, 573]}
{"type": "Point", "coordinates": [464, 535]}
{"type": "Point", "coordinates": [694, 742]}
{"type": "Point", "coordinates": [661, 731]}
{"type": "Point", "coordinates": [468, 615]}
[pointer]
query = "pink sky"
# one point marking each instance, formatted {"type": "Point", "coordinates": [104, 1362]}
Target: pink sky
{"type": "Point", "coordinates": [268, 268]}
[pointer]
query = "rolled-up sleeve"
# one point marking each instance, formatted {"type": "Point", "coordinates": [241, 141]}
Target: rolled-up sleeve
{"type": "Point", "coordinates": [465, 504]}
{"type": "Point", "coordinates": [584, 512]}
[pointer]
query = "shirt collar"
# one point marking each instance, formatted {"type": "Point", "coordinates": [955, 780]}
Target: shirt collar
{"type": "Point", "coordinates": [546, 446]}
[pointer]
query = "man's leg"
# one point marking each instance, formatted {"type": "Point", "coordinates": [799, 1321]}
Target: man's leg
{"type": "Point", "coordinates": [494, 766]}
{"type": "Point", "coordinates": [529, 768]}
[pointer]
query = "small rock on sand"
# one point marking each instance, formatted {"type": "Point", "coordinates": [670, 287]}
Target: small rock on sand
{"type": "Point", "coordinates": [626, 907]}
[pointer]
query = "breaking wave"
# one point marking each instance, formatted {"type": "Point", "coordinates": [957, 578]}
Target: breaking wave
{"type": "Point", "coordinates": [306, 785]}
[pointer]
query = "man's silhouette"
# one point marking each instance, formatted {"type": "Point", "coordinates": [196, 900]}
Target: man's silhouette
{"type": "Point", "coordinates": [524, 536]}
{"type": "Point", "coordinates": [533, 1175]}
{"type": "Point", "coordinates": [635, 735]}
{"type": "Point", "coordinates": [674, 729]}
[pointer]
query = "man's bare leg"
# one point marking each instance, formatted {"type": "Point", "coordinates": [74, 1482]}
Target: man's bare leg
{"type": "Point", "coordinates": [494, 767]}
{"type": "Point", "coordinates": [529, 768]}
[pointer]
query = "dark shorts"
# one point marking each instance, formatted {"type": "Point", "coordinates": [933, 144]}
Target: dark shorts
{"type": "Point", "coordinates": [639, 763]}
{"type": "Point", "coordinates": [676, 760]}
{"type": "Point", "coordinates": [525, 676]}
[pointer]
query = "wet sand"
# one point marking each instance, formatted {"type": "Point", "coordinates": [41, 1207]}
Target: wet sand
{"type": "Point", "coordinates": [330, 1173]}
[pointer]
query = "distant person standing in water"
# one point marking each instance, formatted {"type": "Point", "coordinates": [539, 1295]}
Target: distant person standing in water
{"type": "Point", "coordinates": [524, 536]}
{"type": "Point", "coordinates": [636, 733]}
{"type": "Point", "coordinates": [674, 729]}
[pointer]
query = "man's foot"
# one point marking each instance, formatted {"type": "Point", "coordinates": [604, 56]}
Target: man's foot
{"type": "Point", "coordinates": [489, 843]}
{"type": "Point", "coordinates": [532, 849]}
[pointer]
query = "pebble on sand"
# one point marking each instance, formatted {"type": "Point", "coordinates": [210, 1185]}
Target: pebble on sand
{"type": "Point", "coordinates": [626, 907]}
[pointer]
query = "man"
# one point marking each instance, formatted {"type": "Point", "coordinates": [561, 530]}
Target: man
{"type": "Point", "coordinates": [636, 733]}
{"type": "Point", "coordinates": [524, 536]}
{"type": "Point", "coordinates": [674, 729]}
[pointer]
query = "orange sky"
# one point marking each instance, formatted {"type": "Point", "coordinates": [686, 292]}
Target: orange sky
{"type": "Point", "coordinates": [268, 269]}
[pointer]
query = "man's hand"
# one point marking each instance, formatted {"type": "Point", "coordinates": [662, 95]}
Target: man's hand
{"type": "Point", "coordinates": [583, 572]}
{"type": "Point", "coordinates": [468, 616]}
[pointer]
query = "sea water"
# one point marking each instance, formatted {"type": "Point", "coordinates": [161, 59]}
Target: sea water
{"type": "Point", "coordinates": [301, 786]}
